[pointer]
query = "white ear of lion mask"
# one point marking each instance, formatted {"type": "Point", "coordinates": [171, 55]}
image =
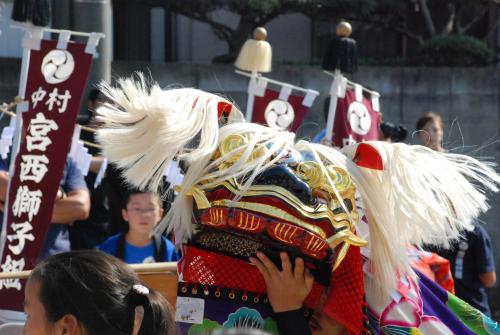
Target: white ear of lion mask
{"type": "Point", "coordinates": [415, 196]}
{"type": "Point", "coordinates": [145, 129]}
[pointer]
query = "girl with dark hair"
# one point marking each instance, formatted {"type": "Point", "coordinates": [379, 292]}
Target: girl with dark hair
{"type": "Point", "coordinates": [92, 293]}
{"type": "Point", "coordinates": [430, 131]}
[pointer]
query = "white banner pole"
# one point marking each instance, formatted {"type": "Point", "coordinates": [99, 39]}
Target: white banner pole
{"type": "Point", "coordinates": [251, 95]}
{"type": "Point", "coordinates": [31, 33]}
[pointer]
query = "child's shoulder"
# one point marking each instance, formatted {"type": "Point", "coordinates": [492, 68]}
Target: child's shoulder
{"type": "Point", "coordinates": [168, 243]}
{"type": "Point", "coordinates": [110, 244]}
{"type": "Point", "coordinates": [171, 254]}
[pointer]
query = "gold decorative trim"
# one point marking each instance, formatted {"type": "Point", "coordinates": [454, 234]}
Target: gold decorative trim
{"type": "Point", "coordinates": [311, 173]}
{"type": "Point", "coordinates": [198, 196]}
{"type": "Point", "coordinates": [341, 255]}
{"type": "Point", "coordinates": [270, 211]}
{"type": "Point", "coordinates": [346, 236]}
{"type": "Point", "coordinates": [321, 211]}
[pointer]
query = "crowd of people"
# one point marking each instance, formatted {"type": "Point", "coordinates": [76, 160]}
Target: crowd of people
{"type": "Point", "coordinates": [103, 296]}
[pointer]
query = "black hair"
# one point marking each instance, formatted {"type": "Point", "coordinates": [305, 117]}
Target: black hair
{"type": "Point", "coordinates": [98, 290]}
{"type": "Point", "coordinates": [428, 117]}
{"type": "Point", "coordinates": [94, 95]}
{"type": "Point", "coordinates": [133, 191]}
{"type": "Point", "coordinates": [397, 133]}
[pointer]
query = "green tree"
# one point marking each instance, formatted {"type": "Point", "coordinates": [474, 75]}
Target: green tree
{"type": "Point", "coordinates": [252, 14]}
{"type": "Point", "coordinates": [460, 16]}
{"type": "Point", "coordinates": [456, 28]}
{"type": "Point", "coordinates": [430, 18]}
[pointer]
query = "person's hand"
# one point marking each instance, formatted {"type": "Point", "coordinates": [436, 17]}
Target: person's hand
{"type": "Point", "coordinates": [4, 183]}
{"type": "Point", "coordinates": [60, 194]}
{"type": "Point", "coordinates": [286, 289]}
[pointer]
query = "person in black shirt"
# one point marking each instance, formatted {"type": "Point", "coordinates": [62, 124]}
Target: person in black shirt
{"type": "Point", "coordinates": [88, 233]}
{"type": "Point", "coordinates": [472, 267]}
{"type": "Point", "coordinates": [471, 258]}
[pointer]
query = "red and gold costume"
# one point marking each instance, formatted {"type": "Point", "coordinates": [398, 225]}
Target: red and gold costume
{"type": "Point", "coordinates": [249, 188]}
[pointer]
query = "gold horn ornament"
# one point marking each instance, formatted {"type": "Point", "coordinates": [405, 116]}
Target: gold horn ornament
{"type": "Point", "coordinates": [198, 196]}
{"type": "Point", "coordinates": [348, 238]}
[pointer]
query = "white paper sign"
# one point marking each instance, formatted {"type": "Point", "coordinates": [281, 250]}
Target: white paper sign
{"type": "Point", "coordinates": [189, 310]}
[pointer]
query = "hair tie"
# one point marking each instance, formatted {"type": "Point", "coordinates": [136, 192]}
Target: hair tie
{"type": "Point", "coordinates": [138, 296]}
{"type": "Point", "coordinates": [140, 289]}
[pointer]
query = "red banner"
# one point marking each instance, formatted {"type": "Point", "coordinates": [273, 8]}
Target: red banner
{"type": "Point", "coordinates": [55, 84]}
{"type": "Point", "coordinates": [287, 114]}
{"type": "Point", "coordinates": [355, 121]}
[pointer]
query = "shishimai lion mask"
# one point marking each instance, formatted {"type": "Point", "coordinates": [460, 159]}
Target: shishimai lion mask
{"type": "Point", "coordinates": [251, 188]}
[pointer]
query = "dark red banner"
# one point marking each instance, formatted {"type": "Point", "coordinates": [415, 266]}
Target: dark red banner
{"type": "Point", "coordinates": [55, 84]}
{"type": "Point", "coordinates": [284, 118]}
{"type": "Point", "coordinates": [355, 121]}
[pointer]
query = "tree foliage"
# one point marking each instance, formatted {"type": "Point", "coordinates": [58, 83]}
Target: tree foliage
{"type": "Point", "coordinates": [418, 20]}
{"type": "Point", "coordinates": [454, 50]}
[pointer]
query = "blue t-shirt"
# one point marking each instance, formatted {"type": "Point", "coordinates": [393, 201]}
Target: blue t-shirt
{"type": "Point", "coordinates": [57, 238]}
{"type": "Point", "coordinates": [134, 255]}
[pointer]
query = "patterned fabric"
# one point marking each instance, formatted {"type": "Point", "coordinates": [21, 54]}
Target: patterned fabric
{"type": "Point", "coordinates": [224, 308]}
{"type": "Point", "coordinates": [207, 268]}
{"type": "Point", "coordinates": [476, 321]}
{"type": "Point", "coordinates": [346, 294]}
{"type": "Point", "coordinates": [426, 308]}
{"type": "Point", "coordinates": [210, 268]}
{"type": "Point", "coordinates": [433, 266]}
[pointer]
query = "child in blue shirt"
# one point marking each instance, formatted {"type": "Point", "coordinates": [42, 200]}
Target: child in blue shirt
{"type": "Point", "coordinates": [142, 210]}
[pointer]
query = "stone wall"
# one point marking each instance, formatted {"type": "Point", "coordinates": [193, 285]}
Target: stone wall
{"type": "Point", "coordinates": [467, 98]}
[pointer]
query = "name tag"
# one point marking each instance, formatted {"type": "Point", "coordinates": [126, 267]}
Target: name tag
{"type": "Point", "coordinates": [189, 310]}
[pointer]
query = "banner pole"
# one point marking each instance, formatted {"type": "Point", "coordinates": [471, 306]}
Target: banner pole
{"type": "Point", "coordinates": [45, 123]}
{"type": "Point", "coordinates": [251, 96]}
{"type": "Point", "coordinates": [332, 108]}
{"type": "Point", "coordinates": [138, 268]}
{"type": "Point", "coordinates": [30, 32]}
{"type": "Point", "coordinates": [280, 83]}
